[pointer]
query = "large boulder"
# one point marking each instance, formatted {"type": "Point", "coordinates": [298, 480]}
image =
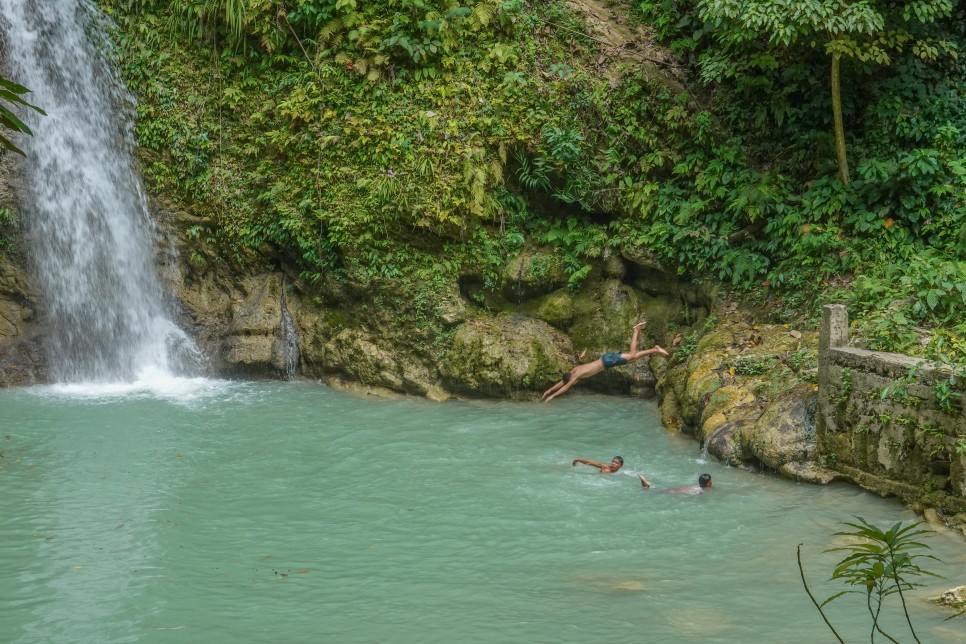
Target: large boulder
{"type": "Point", "coordinates": [785, 431]}
{"type": "Point", "coordinates": [361, 358]}
{"type": "Point", "coordinates": [728, 443]}
{"type": "Point", "coordinates": [530, 274]}
{"type": "Point", "coordinates": [507, 355]}
{"type": "Point", "coordinates": [744, 390]}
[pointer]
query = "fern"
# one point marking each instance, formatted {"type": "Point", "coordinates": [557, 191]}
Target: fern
{"type": "Point", "coordinates": [196, 18]}
{"type": "Point", "coordinates": [532, 175]}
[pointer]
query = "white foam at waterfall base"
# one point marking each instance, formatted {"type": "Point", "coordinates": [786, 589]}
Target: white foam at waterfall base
{"type": "Point", "coordinates": [150, 383]}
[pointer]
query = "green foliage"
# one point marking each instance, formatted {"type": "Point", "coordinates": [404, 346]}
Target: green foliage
{"type": "Point", "coordinates": [335, 134]}
{"type": "Point", "coordinates": [791, 226]}
{"type": "Point", "coordinates": [846, 388]}
{"type": "Point", "coordinates": [202, 17]}
{"type": "Point", "coordinates": [7, 220]}
{"type": "Point", "coordinates": [686, 350]}
{"type": "Point", "coordinates": [752, 36]}
{"type": "Point", "coordinates": [289, 141]}
{"type": "Point", "coordinates": [896, 299]}
{"type": "Point", "coordinates": [878, 565]}
{"type": "Point", "coordinates": [752, 366]}
{"type": "Point", "coordinates": [803, 358]}
{"type": "Point", "coordinates": [11, 96]}
{"type": "Point", "coordinates": [950, 386]}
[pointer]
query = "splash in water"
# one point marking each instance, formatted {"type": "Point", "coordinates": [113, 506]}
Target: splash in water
{"type": "Point", "coordinates": [84, 211]}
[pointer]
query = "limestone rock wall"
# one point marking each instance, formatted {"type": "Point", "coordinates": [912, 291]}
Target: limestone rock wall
{"type": "Point", "coordinates": [511, 341]}
{"type": "Point", "coordinates": [22, 358]}
{"type": "Point", "coordinates": [881, 425]}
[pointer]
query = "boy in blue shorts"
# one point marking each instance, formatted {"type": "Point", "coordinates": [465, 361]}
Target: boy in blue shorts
{"type": "Point", "coordinates": [606, 361]}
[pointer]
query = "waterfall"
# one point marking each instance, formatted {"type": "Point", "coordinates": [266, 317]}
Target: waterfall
{"type": "Point", "coordinates": [85, 215]}
{"type": "Point", "coordinates": [287, 342]}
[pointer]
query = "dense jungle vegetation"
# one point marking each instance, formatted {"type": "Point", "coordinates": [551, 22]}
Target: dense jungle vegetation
{"type": "Point", "coordinates": [796, 151]}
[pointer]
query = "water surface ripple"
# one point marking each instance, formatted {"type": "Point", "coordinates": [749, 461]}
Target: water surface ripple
{"type": "Point", "coordinates": [256, 512]}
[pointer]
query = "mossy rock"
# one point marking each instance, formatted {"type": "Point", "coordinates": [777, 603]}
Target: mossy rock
{"type": "Point", "coordinates": [728, 442]}
{"type": "Point", "coordinates": [724, 405]}
{"type": "Point", "coordinates": [533, 272]}
{"type": "Point", "coordinates": [556, 309]}
{"type": "Point", "coordinates": [673, 381]}
{"type": "Point", "coordinates": [717, 341]}
{"type": "Point", "coordinates": [355, 354]}
{"type": "Point", "coordinates": [604, 314]}
{"type": "Point", "coordinates": [809, 472]}
{"type": "Point", "coordinates": [785, 431]}
{"type": "Point", "coordinates": [507, 355]}
{"type": "Point", "coordinates": [704, 378]}
{"type": "Point", "coordinates": [780, 338]}
{"type": "Point", "coordinates": [671, 418]}
{"type": "Point", "coordinates": [662, 312]}
{"type": "Point", "coordinates": [775, 383]}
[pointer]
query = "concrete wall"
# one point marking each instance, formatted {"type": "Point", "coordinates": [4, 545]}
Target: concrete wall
{"type": "Point", "coordinates": [898, 442]}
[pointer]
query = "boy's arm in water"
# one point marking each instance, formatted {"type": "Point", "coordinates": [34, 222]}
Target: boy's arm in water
{"type": "Point", "coordinates": [605, 468]}
{"type": "Point", "coordinates": [589, 462]}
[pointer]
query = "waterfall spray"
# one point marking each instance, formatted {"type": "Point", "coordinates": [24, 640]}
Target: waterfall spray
{"type": "Point", "coordinates": [90, 234]}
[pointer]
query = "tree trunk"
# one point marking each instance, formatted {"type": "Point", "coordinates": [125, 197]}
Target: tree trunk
{"type": "Point", "coordinates": [839, 128]}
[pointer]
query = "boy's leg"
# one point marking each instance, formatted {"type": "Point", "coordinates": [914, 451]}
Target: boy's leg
{"type": "Point", "coordinates": [645, 353]}
{"type": "Point", "coordinates": [634, 335]}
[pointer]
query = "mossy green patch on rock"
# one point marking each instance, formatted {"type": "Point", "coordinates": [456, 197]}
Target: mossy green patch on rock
{"type": "Point", "coordinates": [704, 378]}
{"type": "Point", "coordinates": [785, 431]}
{"type": "Point", "coordinates": [532, 273]}
{"type": "Point", "coordinates": [662, 312]}
{"type": "Point", "coordinates": [671, 413]}
{"type": "Point", "coordinates": [505, 355]}
{"type": "Point", "coordinates": [718, 340]}
{"type": "Point", "coordinates": [556, 308]}
{"type": "Point", "coordinates": [724, 405]}
{"type": "Point", "coordinates": [673, 380]}
{"type": "Point", "coordinates": [604, 314]}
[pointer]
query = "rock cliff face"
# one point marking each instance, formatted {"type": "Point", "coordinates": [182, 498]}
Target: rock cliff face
{"type": "Point", "coordinates": [745, 391]}
{"type": "Point", "coordinates": [22, 359]}
{"type": "Point", "coordinates": [748, 392]}
{"type": "Point", "coordinates": [513, 341]}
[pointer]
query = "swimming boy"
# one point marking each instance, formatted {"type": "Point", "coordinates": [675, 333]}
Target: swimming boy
{"type": "Point", "coordinates": [605, 468]}
{"type": "Point", "coordinates": [704, 481]}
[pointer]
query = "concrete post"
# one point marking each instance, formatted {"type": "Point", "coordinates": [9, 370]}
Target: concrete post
{"type": "Point", "coordinates": [834, 332]}
{"type": "Point", "coordinates": [835, 327]}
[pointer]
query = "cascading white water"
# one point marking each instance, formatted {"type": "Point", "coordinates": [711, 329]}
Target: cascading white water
{"type": "Point", "coordinates": [85, 214]}
{"type": "Point", "coordinates": [289, 340]}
